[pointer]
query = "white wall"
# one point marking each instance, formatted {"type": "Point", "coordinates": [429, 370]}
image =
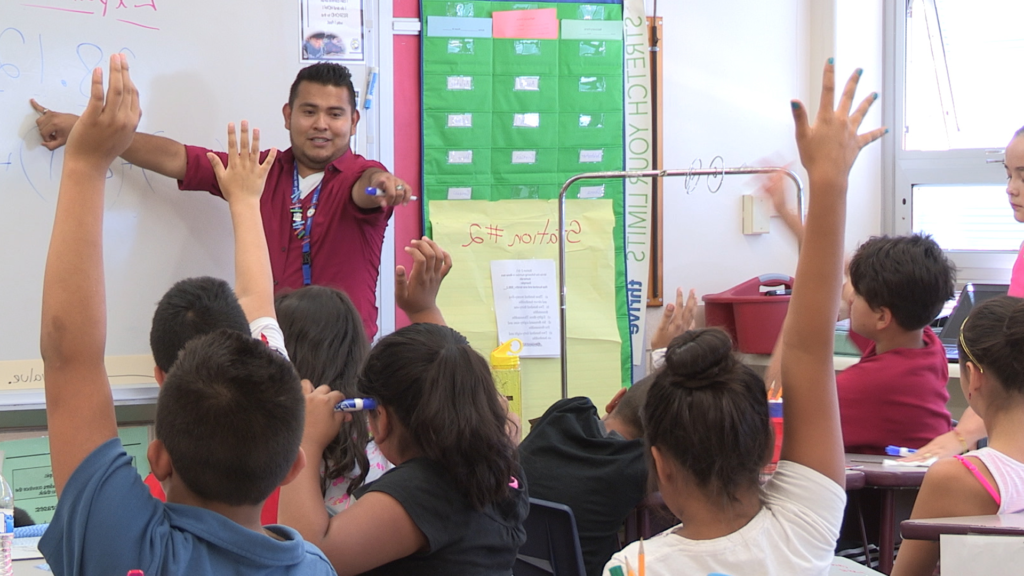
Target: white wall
{"type": "Point", "coordinates": [730, 70]}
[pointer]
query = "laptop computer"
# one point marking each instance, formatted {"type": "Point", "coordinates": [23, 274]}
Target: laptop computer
{"type": "Point", "coordinates": [970, 296]}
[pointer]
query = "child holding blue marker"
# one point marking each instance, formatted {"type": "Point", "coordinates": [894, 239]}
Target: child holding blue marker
{"type": "Point", "coordinates": [324, 336]}
{"type": "Point", "coordinates": [327, 344]}
{"type": "Point", "coordinates": [456, 499]}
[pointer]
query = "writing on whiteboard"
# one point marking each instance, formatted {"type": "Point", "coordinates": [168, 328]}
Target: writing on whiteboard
{"type": "Point", "coordinates": [18, 51]}
{"type": "Point", "coordinates": [140, 12]}
{"type": "Point", "coordinates": [23, 59]}
{"type": "Point", "coordinates": [511, 237]}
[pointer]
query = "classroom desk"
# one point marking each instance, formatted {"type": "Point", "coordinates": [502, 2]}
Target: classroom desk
{"type": "Point", "coordinates": [932, 528]}
{"type": "Point", "coordinates": [651, 515]}
{"type": "Point", "coordinates": [28, 567]}
{"type": "Point", "coordinates": [888, 480]}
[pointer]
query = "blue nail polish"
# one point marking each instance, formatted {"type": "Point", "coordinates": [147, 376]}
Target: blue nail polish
{"type": "Point", "coordinates": [860, 71]}
{"type": "Point", "coordinates": [874, 95]}
{"type": "Point", "coordinates": [795, 105]}
{"type": "Point", "coordinates": [831, 61]}
{"type": "Point", "coordinates": [886, 131]}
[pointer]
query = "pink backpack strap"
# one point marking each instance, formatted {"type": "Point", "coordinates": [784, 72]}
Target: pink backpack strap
{"type": "Point", "coordinates": [981, 478]}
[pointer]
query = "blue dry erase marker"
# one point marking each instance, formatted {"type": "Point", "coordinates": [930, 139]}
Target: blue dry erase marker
{"type": "Point", "coordinates": [899, 451]}
{"type": "Point", "coordinates": [355, 405]}
{"type": "Point", "coordinates": [371, 191]}
{"type": "Point", "coordinates": [371, 85]}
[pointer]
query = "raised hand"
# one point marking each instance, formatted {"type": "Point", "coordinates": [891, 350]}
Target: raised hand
{"type": "Point", "coordinates": [416, 292]}
{"type": "Point", "coordinates": [831, 144]}
{"type": "Point", "coordinates": [676, 319]}
{"type": "Point", "coordinates": [107, 126]}
{"type": "Point", "coordinates": [244, 176]}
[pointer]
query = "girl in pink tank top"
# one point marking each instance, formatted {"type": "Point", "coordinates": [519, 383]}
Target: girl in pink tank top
{"type": "Point", "coordinates": [990, 480]}
{"type": "Point", "coordinates": [1014, 163]}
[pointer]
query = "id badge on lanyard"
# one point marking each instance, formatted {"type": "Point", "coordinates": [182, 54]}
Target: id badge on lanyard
{"type": "Point", "coordinates": [302, 225]}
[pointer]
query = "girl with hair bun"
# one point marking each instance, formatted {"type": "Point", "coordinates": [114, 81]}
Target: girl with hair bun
{"type": "Point", "coordinates": [706, 414]}
{"type": "Point", "coordinates": [989, 480]}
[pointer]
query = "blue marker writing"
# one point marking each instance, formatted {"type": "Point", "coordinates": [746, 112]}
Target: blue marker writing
{"type": "Point", "coordinates": [356, 405]}
{"type": "Point", "coordinates": [899, 451]}
{"type": "Point", "coordinates": [371, 191]}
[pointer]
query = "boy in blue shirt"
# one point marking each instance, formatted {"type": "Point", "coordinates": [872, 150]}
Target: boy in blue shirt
{"type": "Point", "coordinates": [229, 416]}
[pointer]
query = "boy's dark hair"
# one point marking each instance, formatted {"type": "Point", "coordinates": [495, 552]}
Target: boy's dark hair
{"type": "Point", "coordinates": [192, 307]}
{"type": "Point", "coordinates": [325, 74]}
{"type": "Point", "coordinates": [909, 275]}
{"type": "Point", "coordinates": [442, 393]}
{"type": "Point", "coordinates": [21, 518]}
{"type": "Point", "coordinates": [994, 334]}
{"type": "Point", "coordinates": [631, 405]}
{"type": "Point", "coordinates": [231, 415]}
{"type": "Point", "coordinates": [709, 412]}
{"type": "Point", "coordinates": [325, 338]}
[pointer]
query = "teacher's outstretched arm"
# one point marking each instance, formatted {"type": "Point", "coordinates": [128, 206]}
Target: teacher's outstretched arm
{"type": "Point", "coordinates": [156, 153]}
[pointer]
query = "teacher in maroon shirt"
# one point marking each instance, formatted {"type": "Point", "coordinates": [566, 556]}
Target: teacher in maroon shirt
{"type": "Point", "coordinates": [322, 226]}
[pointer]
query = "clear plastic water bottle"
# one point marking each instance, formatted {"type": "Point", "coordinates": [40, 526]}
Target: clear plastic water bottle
{"type": "Point", "coordinates": [6, 527]}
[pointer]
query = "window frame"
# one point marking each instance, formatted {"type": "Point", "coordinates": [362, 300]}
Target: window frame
{"type": "Point", "coordinates": [903, 169]}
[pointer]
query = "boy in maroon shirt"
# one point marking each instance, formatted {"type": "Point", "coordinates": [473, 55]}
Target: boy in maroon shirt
{"type": "Point", "coordinates": [896, 394]}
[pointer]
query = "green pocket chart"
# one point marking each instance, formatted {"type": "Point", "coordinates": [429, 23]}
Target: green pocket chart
{"type": "Point", "coordinates": [513, 105]}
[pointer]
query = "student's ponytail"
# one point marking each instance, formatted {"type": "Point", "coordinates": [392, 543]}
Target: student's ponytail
{"type": "Point", "coordinates": [994, 338]}
{"type": "Point", "coordinates": [709, 413]}
{"type": "Point", "coordinates": [442, 393]}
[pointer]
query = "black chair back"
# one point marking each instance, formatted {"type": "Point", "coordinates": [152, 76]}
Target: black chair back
{"type": "Point", "coordinates": [552, 546]}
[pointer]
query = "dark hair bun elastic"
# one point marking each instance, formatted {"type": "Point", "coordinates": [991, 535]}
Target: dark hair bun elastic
{"type": "Point", "coordinates": [698, 357]}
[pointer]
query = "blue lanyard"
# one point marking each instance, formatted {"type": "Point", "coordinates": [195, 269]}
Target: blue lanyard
{"type": "Point", "coordinates": [303, 226]}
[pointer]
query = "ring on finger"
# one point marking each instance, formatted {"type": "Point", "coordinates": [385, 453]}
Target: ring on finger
{"type": "Point", "coordinates": [46, 111]}
{"type": "Point", "coordinates": [399, 187]}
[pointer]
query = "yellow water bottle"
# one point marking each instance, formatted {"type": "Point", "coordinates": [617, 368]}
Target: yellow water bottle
{"type": "Point", "coordinates": [507, 376]}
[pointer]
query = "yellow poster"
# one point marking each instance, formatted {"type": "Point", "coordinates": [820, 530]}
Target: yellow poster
{"type": "Point", "coordinates": [476, 232]}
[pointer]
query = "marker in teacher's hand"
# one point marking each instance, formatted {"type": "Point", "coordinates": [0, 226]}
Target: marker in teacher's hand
{"type": "Point", "coordinates": [378, 192]}
{"type": "Point", "coordinates": [355, 405]}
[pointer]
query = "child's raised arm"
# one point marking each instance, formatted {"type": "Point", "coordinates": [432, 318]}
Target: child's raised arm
{"type": "Point", "coordinates": [416, 292]}
{"type": "Point", "coordinates": [828, 149]}
{"type": "Point", "coordinates": [241, 182]}
{"type": "Point", "coordinates": [79, 406]}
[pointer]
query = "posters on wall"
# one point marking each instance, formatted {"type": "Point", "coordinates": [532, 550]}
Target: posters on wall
{"type": "Point", "coordinates": [639, 156]}
{"type": "Point", "coordinates": [526, 305]}
{"type": "Point", "coordinates": [478, 233]}
{"type": "Point", "coordinates": [332, 30]}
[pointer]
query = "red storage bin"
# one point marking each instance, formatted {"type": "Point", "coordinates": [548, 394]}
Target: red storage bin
{"type": "Point", "coordinates": [751, 316]}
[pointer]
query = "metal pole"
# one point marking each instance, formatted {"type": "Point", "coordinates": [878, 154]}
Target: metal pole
{"type": "Point", "coordinates": [641, 174]}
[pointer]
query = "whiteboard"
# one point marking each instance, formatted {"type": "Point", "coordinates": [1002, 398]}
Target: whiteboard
{"type": "Point", "coordinates": [198, 64]}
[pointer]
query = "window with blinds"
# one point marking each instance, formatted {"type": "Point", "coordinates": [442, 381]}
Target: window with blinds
{"type": "Point", "coordinates": [967, 218]}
